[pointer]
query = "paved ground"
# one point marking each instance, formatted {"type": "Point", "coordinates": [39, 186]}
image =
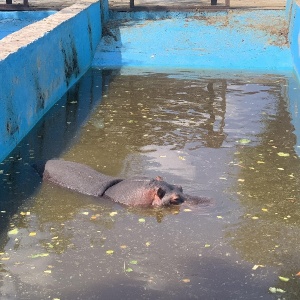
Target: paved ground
{"type": "Point", "coordinates": [124, 4]}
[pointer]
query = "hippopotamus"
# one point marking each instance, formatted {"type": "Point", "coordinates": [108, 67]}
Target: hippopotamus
{"type": "Point", "coordinates": [136, 191]}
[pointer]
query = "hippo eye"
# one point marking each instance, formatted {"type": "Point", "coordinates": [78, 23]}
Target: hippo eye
{"type": "Point", "coordinates": [160, 193]}
{"type": "Point", "coordinates": [180, 188]}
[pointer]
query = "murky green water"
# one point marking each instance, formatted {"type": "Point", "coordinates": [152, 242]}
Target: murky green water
{"type": "Point", "coordinates": [224, 136]}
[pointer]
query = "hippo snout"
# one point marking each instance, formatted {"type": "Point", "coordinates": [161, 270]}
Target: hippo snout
{"type": "Point", "coordinates": [176, 200]}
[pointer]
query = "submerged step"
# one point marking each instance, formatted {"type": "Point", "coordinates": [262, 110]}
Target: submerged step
{"type": "Point", "coordinates": [252, 40]}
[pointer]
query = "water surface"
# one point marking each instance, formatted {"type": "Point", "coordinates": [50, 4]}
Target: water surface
{"type": "Point", "coordinates": [225, 136]}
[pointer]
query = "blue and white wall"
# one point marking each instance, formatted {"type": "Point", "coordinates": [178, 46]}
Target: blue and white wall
{"type": "Point", "coordinates": [40, 62]}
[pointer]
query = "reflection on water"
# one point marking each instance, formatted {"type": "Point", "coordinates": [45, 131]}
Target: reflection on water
{"type": "Point", "coordinates": [223, 136]}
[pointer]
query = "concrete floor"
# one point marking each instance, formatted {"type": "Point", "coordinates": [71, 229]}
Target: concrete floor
{"type": "Point", "coordinates": [183, 4]}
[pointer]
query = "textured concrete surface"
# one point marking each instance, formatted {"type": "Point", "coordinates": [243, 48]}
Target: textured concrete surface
{"type": "Point", "coordinates": [253, 40]}
{"type": "Point", "coordinates": [124, 4]}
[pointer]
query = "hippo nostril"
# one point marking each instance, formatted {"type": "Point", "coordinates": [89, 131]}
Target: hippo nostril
{"type": "Point", "coordinates": [176, 201]}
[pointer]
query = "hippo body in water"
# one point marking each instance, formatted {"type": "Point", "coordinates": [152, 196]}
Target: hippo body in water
{"type": "Point", "coordinates": [136, 191]}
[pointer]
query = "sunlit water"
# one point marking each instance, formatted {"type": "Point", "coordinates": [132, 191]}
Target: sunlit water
{"type": "Point", "coordinates": [224, 136]}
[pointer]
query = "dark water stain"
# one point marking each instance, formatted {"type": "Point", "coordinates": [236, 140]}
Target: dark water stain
{"type": "Point", "coordinates": [11, 121]}
{"type": "Point", "coordinates": [90, 35]}
{"type": "Point", "coordinates": [71, 65]}
{"type": "Point", "coordinates": [223, 136]}
{"type": "Point", "coordinates": [40, 95]}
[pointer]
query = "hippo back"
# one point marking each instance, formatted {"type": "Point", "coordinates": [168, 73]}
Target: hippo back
{"type": "Point", "coordinates": [78, 177]}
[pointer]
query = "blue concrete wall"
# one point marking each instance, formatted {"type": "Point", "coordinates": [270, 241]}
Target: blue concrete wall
{"type": "Point", "coordinates": [39, 63]}
{"type": "Point", "coordinates": [293, 16]}
{"type": "Point", "coordinates": [252, 40]}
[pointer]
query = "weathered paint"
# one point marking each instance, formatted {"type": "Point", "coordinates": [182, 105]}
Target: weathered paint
{"type": "Point", "coordinates": [40, 62]}
{"type": "Point", "coordinates": [293, 15]}
{"type": "Point", "coordinates": [251, 40]}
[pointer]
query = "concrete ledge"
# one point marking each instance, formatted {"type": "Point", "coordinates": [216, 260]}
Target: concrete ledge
{"type": "Point", "coordinates": [40, 62]}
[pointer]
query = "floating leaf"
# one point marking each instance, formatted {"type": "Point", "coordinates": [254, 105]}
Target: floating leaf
{"type": "Point", "coordinates": [23, 213]}
{"type": "Point", "coordinates": [94, 217]}
{"type": "Point", "coordinates": [13, 231]}
{"type": "Point", "coordinates": [148, 244]}
{"type": "Point", "coordinates": [219, 217]}
{"type": "Point", "coordinates": [255, 267]}
{"type": "Point", "coordinates": [123, 246]}
{"type": "Point", "coordinates": [128, 270]}
{"type": "Point", "coordinates": [254, 218]}
{"type": "Point", "coordinates": [113, 213]}
{"type": "Point", "coordinates": [109, 252]}
{"type": "Point", "coordinates": [85, 213]}
{"type": "Point", "coordinates": [187, 210]}
{"type": "Point", "coordinates": [284, 279]}
{"type": "Point", "coordinates": [260, 162]}
{"type": "Point", "coordinates": [32, 234]}
{"type": "Point", "coordinates": [186, 280]}
{"type": "Point", "coordinates": [241, 180]}
{"type": "Point", "coordinates": [274, 290]}
{"type": "Point", "coordinates": [264, 209]}
{"type": "Point", "coordinates": [133, 262]}
{"type": "Point", "coordinates": [181, 157]}
{"type": "Point", "coordinates": [206, 245]}
{"type": "Point", "coordinates": [298, 274]}
{"type": "Point", "coordinates": [244, 141]}
{"type": "Point", "coordinates": [281, 169]}
{"type": "Point", "coordinates": [142, 220]}
{"type": "Point", "coordinates": [5, 258]}
{"type": "Point", "coordinates": [48, 271]}
{"type": "Point", "coordinates": [283, 154]}
{"type": "Point", "coordinates": [39, 255]}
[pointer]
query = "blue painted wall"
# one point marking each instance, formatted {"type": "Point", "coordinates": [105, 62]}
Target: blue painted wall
{"type": "Point", "coordinates": [293, 16]}
{"type": "Point", "coordinates": [39, 63]}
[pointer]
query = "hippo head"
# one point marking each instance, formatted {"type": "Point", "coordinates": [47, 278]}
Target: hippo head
{"type": "Point", "coordinates": [166, 194]}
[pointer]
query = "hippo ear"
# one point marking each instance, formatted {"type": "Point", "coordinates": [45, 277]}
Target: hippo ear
{"type": "Point", "coordinates": [158, 195]}
{"type": "Point", "coordinates": [159, 178]}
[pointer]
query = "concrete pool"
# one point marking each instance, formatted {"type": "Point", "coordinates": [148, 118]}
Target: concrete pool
{"type": "Point", "coordinates": [253, 40]}
{"type": "Point", "coordinates": [208, 100]}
